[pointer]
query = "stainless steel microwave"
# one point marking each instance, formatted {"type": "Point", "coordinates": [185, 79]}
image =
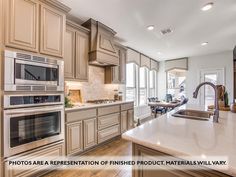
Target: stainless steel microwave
{"type": "Point", "coordinates": [25, 72]}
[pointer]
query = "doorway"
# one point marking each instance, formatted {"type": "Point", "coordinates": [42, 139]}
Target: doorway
{"type": "Point", "coordinates": [215, 76]}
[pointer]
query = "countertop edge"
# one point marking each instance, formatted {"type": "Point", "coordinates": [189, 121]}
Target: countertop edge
{"type": "Point", "coordinates": [95, 106]}
{"type": "Point", "coordinates": [230, 171]}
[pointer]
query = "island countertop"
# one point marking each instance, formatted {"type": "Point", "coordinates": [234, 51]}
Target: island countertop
{"type": "Point", "coordinates": [187, 137]}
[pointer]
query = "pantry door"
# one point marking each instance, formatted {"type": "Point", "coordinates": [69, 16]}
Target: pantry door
{"type": "Point", "coordinates": [215, 76]}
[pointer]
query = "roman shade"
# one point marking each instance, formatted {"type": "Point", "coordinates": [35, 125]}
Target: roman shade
{"type": "Point", "coordinates": [145, 62]}
{"type": "Point", "coordinates": [181, 63]}
{"type": "Point", "coordinates": [154, 65]}
{"type": "Point", "coordinates": [133, 56]}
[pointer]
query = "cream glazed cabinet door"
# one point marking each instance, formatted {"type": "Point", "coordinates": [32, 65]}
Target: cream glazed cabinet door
{"type": "Point", "coordinates": [130, 119]}
{"type": "Point", "coordinates": [90, 133]}
{"type": "Point", "coordinates": [69, 59]}
{"type": "Point", "coordinates": [81, 61]}
{"type": "Point", "coordinates": [22, 22]}
{"type": "Point", "coordinates": [52, 31]}
{"type": "Point", "coordinates": [123, 121]}
{"type": "Point", "coordinates": [74, 133]}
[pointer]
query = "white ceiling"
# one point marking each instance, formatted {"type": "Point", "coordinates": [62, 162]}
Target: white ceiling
{"type": "Point", "coordinates": [129, 18]}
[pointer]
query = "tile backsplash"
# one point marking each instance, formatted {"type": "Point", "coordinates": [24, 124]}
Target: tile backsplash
{"type": "Point", "coordinates": [95, 87]}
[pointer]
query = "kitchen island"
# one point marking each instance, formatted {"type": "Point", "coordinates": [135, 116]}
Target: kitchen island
{"type": "Point", "coordinates": [180, 137]}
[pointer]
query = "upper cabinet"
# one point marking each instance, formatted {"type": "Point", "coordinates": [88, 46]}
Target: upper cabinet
{"type": "Point", "coordinates": [22, 21]}
{"type": "Point", "coordinates": [36, 26]}
{"type": "Point", "coordinates": [52, 31]}
{"type": "Point", "coordinates": [117, 74]}
{"type": "Point", "coordinates": [102, 51]}
{"type": "Point", "coordinates": [76, 52]}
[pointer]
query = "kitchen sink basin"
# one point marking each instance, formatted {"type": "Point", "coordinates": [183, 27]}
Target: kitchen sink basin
{"type": "Point", "coordinates": [193, 114]}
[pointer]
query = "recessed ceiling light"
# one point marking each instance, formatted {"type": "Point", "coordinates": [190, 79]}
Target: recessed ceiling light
{"type": "Point", "coordinates": [159, 53]}
{"type": "Point", "coordinates": [204, 43]}
{"type": "Point", "coordinates": [150, 27]}
{"type": "Point", "coordinates": [208, 6]}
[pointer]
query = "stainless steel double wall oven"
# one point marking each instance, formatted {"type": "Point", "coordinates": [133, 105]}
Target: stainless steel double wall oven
{"type": "Point", "coordinates": [33, 102]}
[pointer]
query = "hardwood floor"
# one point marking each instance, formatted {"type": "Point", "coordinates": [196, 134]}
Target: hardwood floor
{"type": "Point", "coordinates": [117, 147]}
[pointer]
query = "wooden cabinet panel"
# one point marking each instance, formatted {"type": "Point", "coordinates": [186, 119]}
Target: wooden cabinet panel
{"type": "Point", "coordinates": [52, 31]}
{"type": "Point", "coordinates": [69, 57]}
{"type": "Point", "coordinates": [90, 133]}
{"type": "Point", "coordinates": [108, 133]}
{"type": "Point", "coordinates": [80, 115]}
{"type": "Point", "coordinates": [122, 56]}
{"type": "Point", "coordinates": [108, 120]}
{"type": "Point", "coordinates": [127, 106]}
{"type": "Point", "coordinates": [147, 154]}
{"type": "Point", "coordinates": [123, 121]}
{"type": "Point", "coordinates": [108, 110]}
{"type": "Point", "coordinates": [81, 61]}
{"type": "Point", "coordinates": [117, 74]}
{"type": "Point", "coordinates": [51, 153]}
{"type": "Point", "coordinates": [130, 119]}
{"type": "Point", "coordinates": [22, 24]}
{"type": "Point", "coordinates": [74, 137]}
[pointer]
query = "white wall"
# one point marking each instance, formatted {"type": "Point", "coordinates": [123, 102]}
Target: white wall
{"type": "Point", "coordinates": [195, 64]}
{"type": "Point", "coordinates": [161, 84]}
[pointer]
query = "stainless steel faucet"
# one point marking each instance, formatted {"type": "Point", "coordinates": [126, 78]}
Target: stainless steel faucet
{"type": "Point", "coordinates": [216, 111]}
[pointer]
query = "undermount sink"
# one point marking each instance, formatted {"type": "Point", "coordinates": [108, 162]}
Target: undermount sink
{"type": "Point", "coordinates": [193, 114]}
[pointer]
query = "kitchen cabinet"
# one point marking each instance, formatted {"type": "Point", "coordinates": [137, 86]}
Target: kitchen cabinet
{"type": "Point", "coordinates": [76, 52]}
{"type": "Point", "coordinates": [87, 128]}
{"type": "Point", "coordinates": [69, 59]}
{"type": "Point", "coordinates": [52, 31]}
{"type": "Point", "coordinates": [36, 26]}
{"type": "Point", "coordinates": [81, 62]}
{"type": "Point", "coordinates": [90, 133]}
{"type": "Point", "coordinates": [127, 116]}
{"type": "Point", "coordinates": [117, 74]}
{"type": "Point", "coordinates": [130, 118]}
{"type": "Point", "coordinates": [171, 171]}
{"type": "Point", "coordinates": [123, 121]}
{"type": "Point", "coordinates": [74, 137]}
{"type": "Point", "coordinates": [52, 152]}
{"type": "Point", "coordinates": [22, 20]}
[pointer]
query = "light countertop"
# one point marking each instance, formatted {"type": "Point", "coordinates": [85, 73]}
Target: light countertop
{"type": "Point", "coordinates": [186, 137]}
{"type": "Point", "coordinates": [91, 105]}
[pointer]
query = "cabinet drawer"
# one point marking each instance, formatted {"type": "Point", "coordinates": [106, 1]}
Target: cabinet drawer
{"type": "Point", "coordinates": [108, 133]}
{"type": "Point", "coordinates": [108, 110]}
{"type": "Point", "coordinates": [108, 120]}
{"type": "Point", "coordinates": [50, 153]}
{"type": "Point", "coordinates": [80, 115]}
{"type": "Point", "coordinates": [127, 106]}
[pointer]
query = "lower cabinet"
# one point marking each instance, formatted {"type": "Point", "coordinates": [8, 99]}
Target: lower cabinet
{"type": "Point", "coordinates": [123, 121]}
{"type": "Point", "coordinates": [108, 133]}
{"type": "Point", "coordinates": [130, 119]}
{"type": "Point", "coordinates": [51, 152]}
{"type": "Point", "coordinates": [88, 127]}
{"type": "Point", "coordinates": [147, 154]}
{"type": "Point", "coordinates": [74, 137]}
{"type": "Point", "coordinates": [90, 133]}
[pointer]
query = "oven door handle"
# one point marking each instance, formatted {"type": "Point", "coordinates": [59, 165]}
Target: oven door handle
{"type": "Point", "coordinates": [34, 110]}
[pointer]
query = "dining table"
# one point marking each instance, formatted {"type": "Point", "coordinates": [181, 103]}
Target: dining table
{"type": "Point", "coordinates": [163, 104]}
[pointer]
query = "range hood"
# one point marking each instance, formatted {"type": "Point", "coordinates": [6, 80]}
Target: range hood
{"type": "Point", "coordinates": [102, 51]}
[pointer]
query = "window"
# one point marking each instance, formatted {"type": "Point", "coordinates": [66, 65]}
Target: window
{"type": "Point", "coordinates": [176, 82]}
{"type": "Point", "coordinates": [152, 83]}
{"type": "Point", "coordinates": [131, 77]}
{"type": "Point", "coordinates": [143, 79]}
